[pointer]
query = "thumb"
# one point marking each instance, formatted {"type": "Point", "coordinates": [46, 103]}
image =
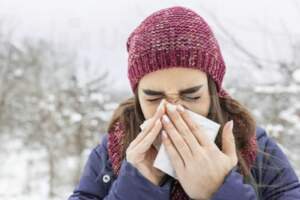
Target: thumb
{"type": "Point", "coordinates": [228, 142]}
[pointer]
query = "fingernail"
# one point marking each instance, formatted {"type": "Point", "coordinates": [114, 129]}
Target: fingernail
{"type": "Point", "coordinates": [230, 125]}
{"type": "Point", "coordinates": [166, 119]}
{"type": "Point", "coordinates": [144, 124]}
{"type": "Point", "coordinates": [160, 105]}
{"type": "Point", "coordinates": [180, 108]}
{"type": "Point", "coordinates": [171, 107]}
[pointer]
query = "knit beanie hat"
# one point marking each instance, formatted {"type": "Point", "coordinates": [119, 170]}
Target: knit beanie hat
{"type": "Point", "coordinates": [174, 37]}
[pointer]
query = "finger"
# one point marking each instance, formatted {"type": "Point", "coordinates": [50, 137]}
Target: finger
{"type": "Point", "coordinates": [160, 110]}
{"type": "Point", "coordinates": [175, 158]}
{"type": "Point", "coordinates": [177, 139]}
{"type": "Point", "coordinates": [144, 124]}
{"type": "Point", "coordinates": [149, 124]}
{"type": "Point", "coordinates": [196, 129]}
{"type": "Point", "coordinates": [144, 132]}
{"type": "Point", "coordinates": [148, 140]}
{"type": "Point", "coordinates": [228, 143]}
{"type": "Point", "coordinates": [183, 128]}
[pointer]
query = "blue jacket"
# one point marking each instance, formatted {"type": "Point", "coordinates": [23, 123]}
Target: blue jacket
{"type": "Point", "coordinates": [98, 182]}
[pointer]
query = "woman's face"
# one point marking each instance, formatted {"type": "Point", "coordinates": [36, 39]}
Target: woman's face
{"type": "Point", "coordinates": [178, 85]}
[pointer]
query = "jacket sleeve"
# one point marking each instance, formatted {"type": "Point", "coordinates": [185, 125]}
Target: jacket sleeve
{"type": "Point", "coordinates": [98, 182]}
{"type": "Point", "coordinates": [131, 184]}
{"type": "Point", "coordinates": [273, 173]}
{"type": "Point", "coordinates": [234, 188]}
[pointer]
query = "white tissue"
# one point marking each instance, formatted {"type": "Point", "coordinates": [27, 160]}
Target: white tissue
{"type": "Point", "coordinates": [162, 160]}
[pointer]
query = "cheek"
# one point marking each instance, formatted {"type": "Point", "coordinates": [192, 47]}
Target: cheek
{"type": "Point", "coordinates": [148, 109]}
{"type": "Point", "coordinates": [201, 107]}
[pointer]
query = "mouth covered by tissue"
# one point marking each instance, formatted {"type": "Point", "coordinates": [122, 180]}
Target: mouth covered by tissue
{"type": "Point", "coordinates": [162, 160]}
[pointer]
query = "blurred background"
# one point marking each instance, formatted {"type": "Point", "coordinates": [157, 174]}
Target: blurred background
{"type": "Point", "coordinates": [63, 70]}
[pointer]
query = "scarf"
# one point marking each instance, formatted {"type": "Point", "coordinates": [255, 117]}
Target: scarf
{"type": "Point", "coordinates": [115, 142]}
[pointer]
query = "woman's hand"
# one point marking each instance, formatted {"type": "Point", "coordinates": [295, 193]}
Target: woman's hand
{"type": "Point", "coordinates": [199, 164]}
{"type": "Point", "coordinates": [141, 153]}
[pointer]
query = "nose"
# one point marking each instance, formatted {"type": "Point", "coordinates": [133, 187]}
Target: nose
{"type": "Point", "coordinates": [172, 100]}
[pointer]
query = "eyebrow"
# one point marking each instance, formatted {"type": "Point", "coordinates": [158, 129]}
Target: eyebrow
{"type": "Point", "coordinates": [182, 91]}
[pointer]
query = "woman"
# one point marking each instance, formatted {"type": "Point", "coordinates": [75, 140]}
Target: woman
{"type": "Point", "coordinates": [175, 64]}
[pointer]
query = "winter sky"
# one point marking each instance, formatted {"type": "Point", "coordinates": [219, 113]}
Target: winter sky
{"type": "Point", "coordinates": [99, 29]}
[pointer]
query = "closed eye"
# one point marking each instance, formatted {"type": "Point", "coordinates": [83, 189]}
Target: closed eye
{"type": "Point", "coordinates": [185, 97]}
{"type": "Point", "coordinates": [192, 98]}
{"type": "Point", "coordinates": [151, 100]}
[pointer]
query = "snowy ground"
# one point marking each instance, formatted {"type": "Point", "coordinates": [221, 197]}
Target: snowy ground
{"type": "Point", "coordinates": [24, 174]}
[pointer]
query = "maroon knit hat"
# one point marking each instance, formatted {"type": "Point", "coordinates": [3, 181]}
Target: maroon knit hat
{"type": "Point", "coordinates": [174, 37]}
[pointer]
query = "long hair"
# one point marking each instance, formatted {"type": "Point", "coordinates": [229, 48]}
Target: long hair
{"type": "Point", "coordinates": [222, 109]}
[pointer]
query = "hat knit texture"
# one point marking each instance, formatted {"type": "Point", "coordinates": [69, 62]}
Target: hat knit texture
{"type": "Point", "coordinates": [174, 37]}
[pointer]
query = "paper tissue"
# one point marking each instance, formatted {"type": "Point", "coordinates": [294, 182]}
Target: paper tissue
{"type": "Point", "coordinates": [162, 160]}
